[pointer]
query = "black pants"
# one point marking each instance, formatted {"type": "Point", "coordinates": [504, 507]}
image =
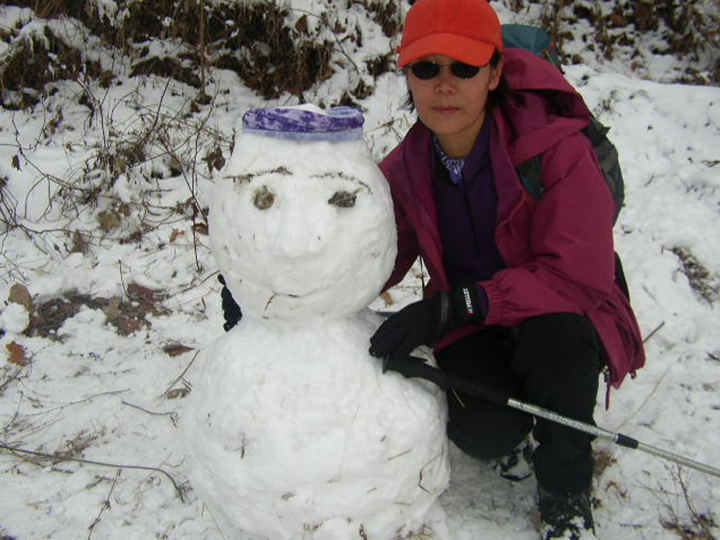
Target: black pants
{"type": "Point", "coordinates": [551, 361]}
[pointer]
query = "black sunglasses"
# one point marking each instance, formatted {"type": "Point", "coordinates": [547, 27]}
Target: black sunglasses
{"type": "Point", "coordinates": [426, 70]}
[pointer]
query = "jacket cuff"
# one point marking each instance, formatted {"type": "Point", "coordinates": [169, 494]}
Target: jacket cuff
{"type": "Point", "coordinates": [483, 301]}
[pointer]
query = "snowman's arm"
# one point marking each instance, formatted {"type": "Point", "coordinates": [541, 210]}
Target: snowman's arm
{"type": "Point", "coordinates": [231, 310]}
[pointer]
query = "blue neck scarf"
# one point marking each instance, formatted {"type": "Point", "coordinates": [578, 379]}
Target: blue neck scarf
{"type": "Point", "coordinates": [453, 165]}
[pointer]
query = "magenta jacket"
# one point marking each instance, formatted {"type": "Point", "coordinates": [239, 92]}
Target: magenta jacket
{"type": "Point", "coordinates": [558, 250]}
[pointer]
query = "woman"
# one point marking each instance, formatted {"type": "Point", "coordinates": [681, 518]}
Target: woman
{"type": "Point", "coordinates": [522, 295]}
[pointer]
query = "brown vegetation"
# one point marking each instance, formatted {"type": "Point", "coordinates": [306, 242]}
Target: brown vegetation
{"type": "Point", "coordinates": [275, 51]}
{"type": "Point", "coordinates": [256, 40]}
{"type": "Point", "coordinates": [127, 314]}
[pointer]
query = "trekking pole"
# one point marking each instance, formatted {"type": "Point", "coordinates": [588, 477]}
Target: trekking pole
{"type": "Point", "coordinates": [414, 367]}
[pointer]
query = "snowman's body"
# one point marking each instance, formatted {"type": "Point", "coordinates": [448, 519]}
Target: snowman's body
{"type": "Point", "coordinates": [293, 430]}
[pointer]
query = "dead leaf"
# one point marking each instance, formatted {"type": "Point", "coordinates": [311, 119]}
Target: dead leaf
{"type": "Point", "coordinates": [129, 239]}
{"type": "Point", "coordinates": [177, 393]}
{"type": "Point", "coordinates": [175, 234]}
{"type": "Point", "coordinates": [112, 310]}
{"type": "Point", "coordinates": [150, 296]}
{"type": "Point", "coordinates": [176, 349]}
{"type": "Point", "coordinates": [214, 159]}
{"type": "Point", "coordinates": [201, 228]}
{"type": "Point", "coordinates": [18, 354]}
{"type": "Point", "coordinates": [19, 294]}
{"type": "Point", "coordinates": [302, 24]}
{"type": "Point", "coordinates": [109, 220]}
{"type": "Point", "coordinates": [388, 298]}
{"type": "Point", "coordinates": [127, 325]}
{"type": "Point", "coordinates": [79, 245]}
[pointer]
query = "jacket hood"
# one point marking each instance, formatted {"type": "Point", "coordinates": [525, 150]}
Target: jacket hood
{"type": "Point", "coordinates": [557, 109]}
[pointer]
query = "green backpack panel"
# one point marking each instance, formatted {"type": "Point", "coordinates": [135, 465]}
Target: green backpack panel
{"type": "Point", "coordinates": [537, 40]}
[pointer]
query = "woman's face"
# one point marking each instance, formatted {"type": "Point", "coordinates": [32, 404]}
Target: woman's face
{"type": "Point", "coordinates": [451, 107]}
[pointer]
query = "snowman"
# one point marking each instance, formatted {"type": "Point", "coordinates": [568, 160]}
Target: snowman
{"type": "Point", "coordinates": [292, 429]}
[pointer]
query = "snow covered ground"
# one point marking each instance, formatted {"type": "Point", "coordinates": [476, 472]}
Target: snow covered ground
{"type": "Point", "coordinates": [124, 295]}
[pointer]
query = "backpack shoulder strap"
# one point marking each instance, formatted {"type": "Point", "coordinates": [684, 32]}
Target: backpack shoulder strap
{"type": "Point", "coordinates": [536, 40]}
{"type": "Point", "coordinates": [609, 160]}
{"type": "Point", "coordinates": [530, 173]}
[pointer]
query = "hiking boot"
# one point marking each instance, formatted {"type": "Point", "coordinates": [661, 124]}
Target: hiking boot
{"type": "Point", "coordinates": [516, 465]}
{"type": "Point", "coordinates": [565, 516]}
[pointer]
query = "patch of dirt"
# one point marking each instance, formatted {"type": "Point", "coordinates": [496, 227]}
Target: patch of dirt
{"type": "Point", "coordinates": [700, 279]}
{"type": "Point", "coordinates": [127, 315]}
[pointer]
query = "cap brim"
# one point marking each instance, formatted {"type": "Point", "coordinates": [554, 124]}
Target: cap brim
{"type": "Point", "coordinates": [463, 49]}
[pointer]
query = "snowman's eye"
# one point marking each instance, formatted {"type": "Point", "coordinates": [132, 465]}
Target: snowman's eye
{"type": "Point", "coordinates": [343, 199]}
{"type": "Point", "coordinates": [263, 198]}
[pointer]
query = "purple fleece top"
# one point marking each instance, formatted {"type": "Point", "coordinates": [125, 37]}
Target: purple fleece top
{"type": "Point", "coordinates": [467, 217]}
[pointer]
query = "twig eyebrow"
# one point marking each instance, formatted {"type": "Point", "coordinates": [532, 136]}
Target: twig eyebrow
{"type": "Point", "coordinates": [240, 178]}
{"type": "Point", "coordinates": [344, 176]}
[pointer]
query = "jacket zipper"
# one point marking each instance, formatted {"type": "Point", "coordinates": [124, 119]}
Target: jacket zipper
{"type": "Point", "coordinates": [468, 207]}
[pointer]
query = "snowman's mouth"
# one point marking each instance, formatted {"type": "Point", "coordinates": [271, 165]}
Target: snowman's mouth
{"type": "Point", "coordinates": [294, 296]}
{"type": "Point", "coordinates": [289, 295]}
{"type": "Point", "coordinates": [298, 292]}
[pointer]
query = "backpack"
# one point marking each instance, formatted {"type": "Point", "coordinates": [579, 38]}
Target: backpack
{"type": "Point", "coordinates": [537, 40]}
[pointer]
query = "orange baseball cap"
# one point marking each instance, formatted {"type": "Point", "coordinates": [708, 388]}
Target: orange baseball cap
{"type": "Point", "coordinates": [465, 30]}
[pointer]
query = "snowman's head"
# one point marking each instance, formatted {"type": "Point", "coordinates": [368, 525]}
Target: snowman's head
{"type": "Point", "coordinates": [303, 226]}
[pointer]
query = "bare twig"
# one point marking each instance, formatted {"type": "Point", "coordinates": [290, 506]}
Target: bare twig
{"type": "Point", "coordinates": [158, 113]}
{"type": "Point", "coordinates": [172, 414]}
{"type": "Point", "coordinates": [217, 525]}
{"type": "Point", "coordinates": [203, 280]}
{"type": "Point", "coordinates": [58, 459]}
{"type": "Point", "coordinates": [655, 331]}
{"type": "Point", "coordinates": [182, 374]}
{"type": "Point", "coordinates": [79, 401]}
{"type": "Point", "coordinates": [138, 407]}
{"type": "Point", "coordinates": [105, 505]}
{"type": "Point", "coordinates": [122, 279]}
{"type": "Point", "coordinates": [699, 526]}
{"type": "Point", "coordinates": [14, 376]}
{"type": "Point", "coordinates": [647, 398]}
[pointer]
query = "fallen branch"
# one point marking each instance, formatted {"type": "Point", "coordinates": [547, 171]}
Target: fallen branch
{"type": "Point", "coordinates": [14, 376]}
{"type": "Point", "coordinates": [182, 374]}
{"type": "Point", "coordinates": [80, 401]}
{"type": "Point", "coordinates": [58, 459]}
{"type": "Point", "coordinates": [173, 415]}
{"type": "Point", "coordinates": [105, 506]}
{"type": "Point", "coordinates": [651, 334]}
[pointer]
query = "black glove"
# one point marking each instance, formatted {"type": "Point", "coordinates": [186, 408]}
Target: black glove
{"type": "Point", "coordinates": [412, 367]}
{"type": "Point", "coordinates": [423, 322]}
{"type": "Point", "coordinates": [231, 311]}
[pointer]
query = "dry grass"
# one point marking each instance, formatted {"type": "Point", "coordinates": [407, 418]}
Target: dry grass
{"type": "Point", "coordinates": [688, 523]}
{"type": "Point", "coordinates": [274, 51]}
{"type": "Point", "coordinates": [701, 280]}
{"type": "Point", "coordinates": [689, 29]}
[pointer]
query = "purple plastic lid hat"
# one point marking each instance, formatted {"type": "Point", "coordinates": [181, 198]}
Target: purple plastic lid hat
{"type": "Point", "coordinates": [305, 123]}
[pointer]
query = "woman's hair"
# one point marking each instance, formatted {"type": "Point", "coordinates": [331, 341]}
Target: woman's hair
{"type": "Point", "coordinates": [494, 97]}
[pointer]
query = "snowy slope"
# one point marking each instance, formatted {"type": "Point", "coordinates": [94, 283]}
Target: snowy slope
{"type": "Point", "coordinates": [128, 288]}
